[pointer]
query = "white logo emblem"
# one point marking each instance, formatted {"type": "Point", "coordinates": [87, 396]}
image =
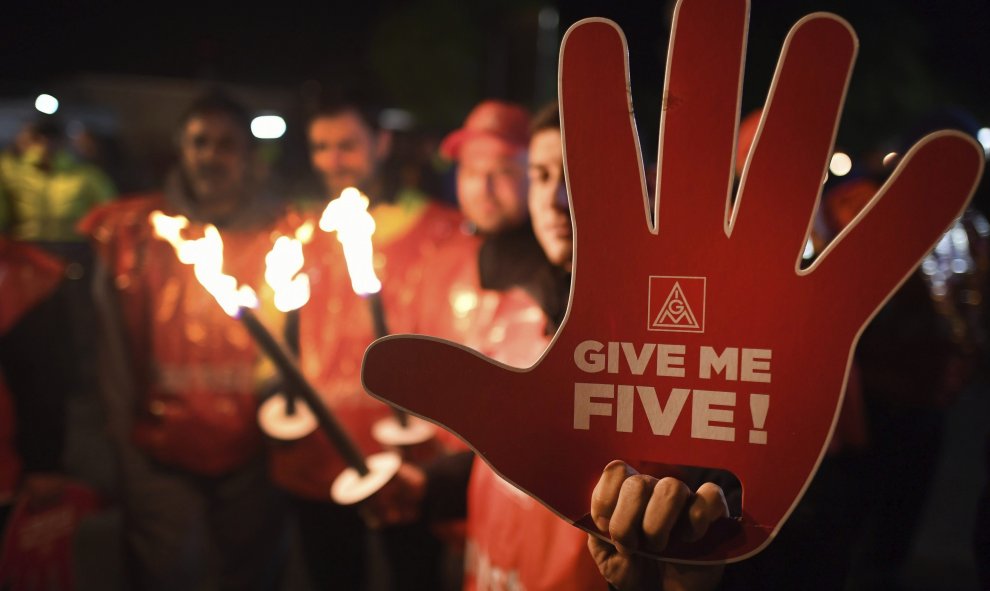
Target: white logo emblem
{"type": "Point", "coordinates": [676, 313]}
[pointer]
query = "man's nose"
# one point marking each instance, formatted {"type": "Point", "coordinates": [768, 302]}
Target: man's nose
{"type": "Point", "coordinates": [208, 152]}
{"type": "Point", "coordinates": [560, 197]}
{"type": "Point", "coordinates": [336, 159]}
{"type": "Point", "coordinates": [490, 185]}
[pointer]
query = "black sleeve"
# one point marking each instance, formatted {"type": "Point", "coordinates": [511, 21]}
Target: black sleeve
{"type": "Point", "coordinates": [446, 487]}
{"type": "Point", "coordinates": [36, 364]}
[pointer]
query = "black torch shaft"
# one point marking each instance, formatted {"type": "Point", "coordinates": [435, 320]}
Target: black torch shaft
{"type": "Point", "coordinates": [381, 330]}
{"type": "Point", "coordinates": [291, 333]}
{"type": "Point", "coordinates": [291, 330]}
{"type": "Point", "coordinates": [378, 315]}
{"type": "Point", "coordinates": [297, 383]}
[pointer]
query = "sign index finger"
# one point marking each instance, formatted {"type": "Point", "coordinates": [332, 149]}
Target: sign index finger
{"type": "Point", "coordinates": [698, 122]}
{"type": "Point", "coordinates": [602, 159]}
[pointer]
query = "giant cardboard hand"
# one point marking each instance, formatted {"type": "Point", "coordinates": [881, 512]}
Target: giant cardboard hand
{"type": "Point", "coordinates": [696, 340]}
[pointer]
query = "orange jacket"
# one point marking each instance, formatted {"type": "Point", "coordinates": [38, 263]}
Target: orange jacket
{"type": "Point", "coordinates": [193, 366]}
{"type": "Point", "coordinates": [514, 542]}
{"type": "Point", "coordinates": [336, 327]}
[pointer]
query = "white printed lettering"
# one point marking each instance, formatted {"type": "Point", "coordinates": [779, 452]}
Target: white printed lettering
{"type": "Point", "coordinates": [584, 408]}
{"type": "Point", "coordinates": [588, 357]}
{"type": "Point", "coordinates": [728, 362]}
{"type": "Point", "coordinates": [703, 415]}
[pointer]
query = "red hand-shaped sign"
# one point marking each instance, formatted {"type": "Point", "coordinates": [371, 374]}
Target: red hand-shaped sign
{"type": "Point", "coordinates": [697, 340]}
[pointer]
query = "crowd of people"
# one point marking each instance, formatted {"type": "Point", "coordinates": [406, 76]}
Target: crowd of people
{"type": "Point", "coordinates": [207, 495]}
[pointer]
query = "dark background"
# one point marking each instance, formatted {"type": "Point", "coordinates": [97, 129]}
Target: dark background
{"type": "Point", "coordinates": [439, 57]}
{"type": "Point", "coordinates": [126, 73]}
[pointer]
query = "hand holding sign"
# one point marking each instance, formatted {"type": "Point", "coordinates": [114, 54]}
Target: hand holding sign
{"type": "Point", "coordinates": [695, 340]}
{"type": "Point", "coordinates": [639, 511]}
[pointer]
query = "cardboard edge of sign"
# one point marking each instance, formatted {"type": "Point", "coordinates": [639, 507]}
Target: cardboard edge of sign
{"type": "Point", "coordinates": [730, 211]}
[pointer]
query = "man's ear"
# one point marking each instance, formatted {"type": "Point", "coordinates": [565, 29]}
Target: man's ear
{"type": "Point", "coordinates": [383, 144]}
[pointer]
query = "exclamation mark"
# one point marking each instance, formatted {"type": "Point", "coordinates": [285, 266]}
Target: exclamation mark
{"type": "Point", "coordinates": [759, 404]}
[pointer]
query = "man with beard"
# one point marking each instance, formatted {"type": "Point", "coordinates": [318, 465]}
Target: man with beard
{"type": "Point", "coordinates": [348, 148]}
{"type": "Point", "coordinates": [179, 376]}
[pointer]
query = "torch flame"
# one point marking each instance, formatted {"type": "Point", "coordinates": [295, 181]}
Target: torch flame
{"type": "Point", "coordinates": [206, 256]}
{"type": "Point", "coordinates": [282, 266]}
{"type": "Point", "coordinates": [348, 216]}
{"type": "Point", "coordinates": [304, 233]}
{"type": "Point", "coordinates": [169, 228]}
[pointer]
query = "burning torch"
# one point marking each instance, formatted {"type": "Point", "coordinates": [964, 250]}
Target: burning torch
{"type": "Point", "coordinates": [348, 216]}
{"type": "Point", "coordinates": [364, 476]}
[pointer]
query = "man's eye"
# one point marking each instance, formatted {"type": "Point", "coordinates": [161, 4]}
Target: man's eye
{"type": "Point", "coordinates": [539, 175]}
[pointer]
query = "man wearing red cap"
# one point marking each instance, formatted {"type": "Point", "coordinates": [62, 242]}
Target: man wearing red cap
{"type": "Point", "coordinates": [513, 542]}
{"type": "Point", "coordinates": [490, 151]}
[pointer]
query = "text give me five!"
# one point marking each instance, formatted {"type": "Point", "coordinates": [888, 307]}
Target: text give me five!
{"type": "Point", "coordinates": [712, 412]}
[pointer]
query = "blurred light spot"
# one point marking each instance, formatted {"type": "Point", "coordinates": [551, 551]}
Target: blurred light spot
{"type": "Point", "coordinates": [396, 120]}
{"type": "Point", "coordinates": [549, 18]}
{"type": "Point", "coordinates": [809, 250]}
{"type": "Point", "coordinates": [841, 164]}
{"type": "Point", "coordinates": [959, 238]}
{"type": "Point", "coordinates": [268, 127]}
{"type": "Point", "coordinates": [944, 246]}
{"type": "Point", "coordinates": [959, 266]}
{"type": "Point", "coordinates": [984, 136]}
{"type": "Point", "coordinates": [890, 158]}
{"type": "Point", "coordinates": [929, 266]}
{"type": "Point", "coordinates": [981, 225]}
{"type": "Point", "coordinates": [304, 233]}
{"type": "Point", "coordinates": [463, 303]}
{"type": "Point", "coordinates": [46, 103]}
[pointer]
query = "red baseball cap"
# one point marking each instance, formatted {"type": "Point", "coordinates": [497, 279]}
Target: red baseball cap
{"type": "Point", "coordinates": [506, 122]}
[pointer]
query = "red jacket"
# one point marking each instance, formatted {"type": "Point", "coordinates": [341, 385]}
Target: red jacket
{"type": "Point", "coordinates": [515, 543]}
{"type": "Point", "coordinates": [336, 328]}
{"type": "Point", "coordinates": [194, 367]}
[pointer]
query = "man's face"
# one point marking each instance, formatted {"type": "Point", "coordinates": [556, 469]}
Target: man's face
{"type": "Point", "coordinates": [215, 157]}
{"type": "Point", "coordinates": [345, 152]}
{"type": "Point", "coordinates": [491, 184]}
{"type": "Point", "coordinates": [548, 197]}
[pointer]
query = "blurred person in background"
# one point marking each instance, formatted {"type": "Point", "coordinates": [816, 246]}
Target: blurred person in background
{"type": "Point", "coordinates": [44, 192]}
{"type": "Point", "coordinates": [512, 538]}
{"type": "Point", "coordinates": [513, 542]}
{"type": "Point", "coordinates": [179, 377]}
{"type": "Point", "coordinates": [349, 148]}
{"type": "Point", "coordinates": [41, 507]}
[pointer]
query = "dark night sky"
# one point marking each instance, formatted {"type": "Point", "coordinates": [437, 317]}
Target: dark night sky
{"type": "Point", "coordinates": [444, 55]}
{"type": "Point", "coordinates": [280, 44]}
